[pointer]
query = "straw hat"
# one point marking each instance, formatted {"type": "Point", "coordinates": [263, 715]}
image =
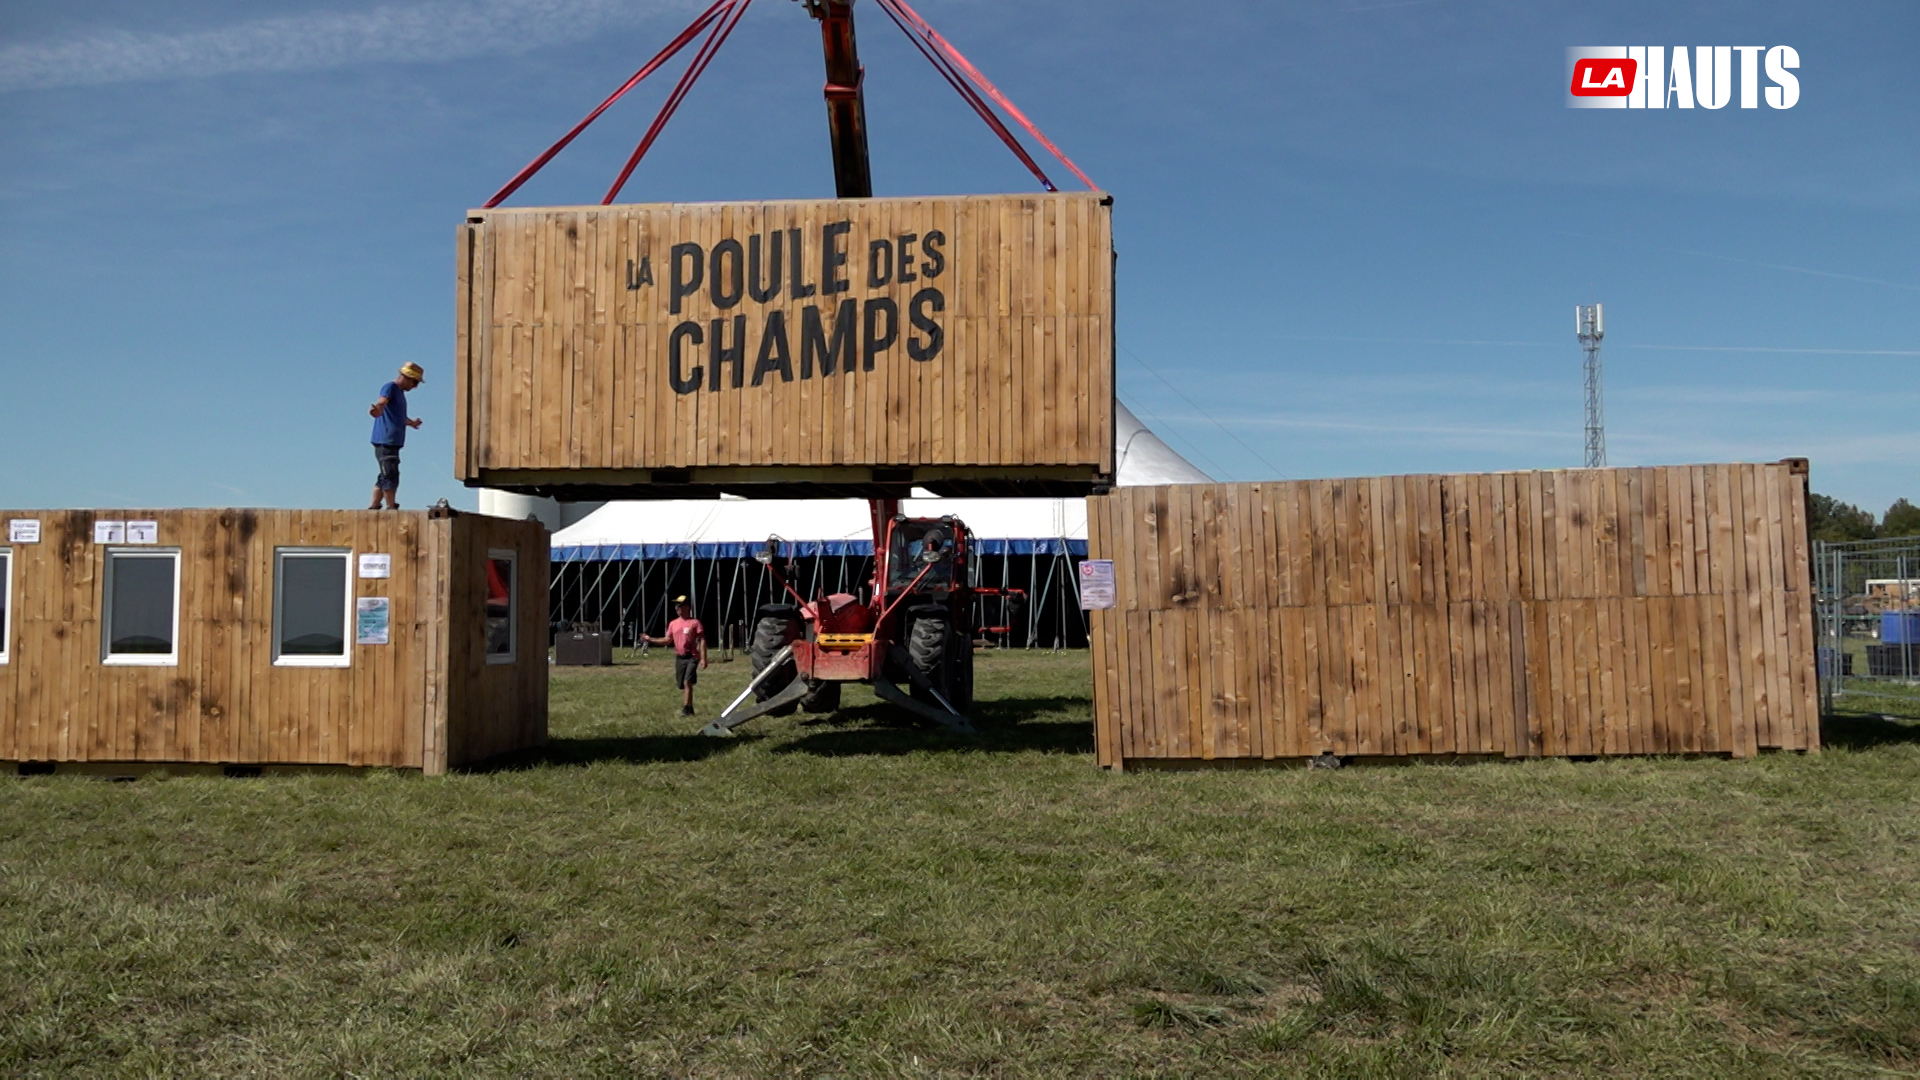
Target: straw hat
{"type": "Point", "coordinates": [414, 372]}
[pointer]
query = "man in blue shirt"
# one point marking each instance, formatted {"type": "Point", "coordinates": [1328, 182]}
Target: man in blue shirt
{"type": "Point", "coordinates": [390, 424]}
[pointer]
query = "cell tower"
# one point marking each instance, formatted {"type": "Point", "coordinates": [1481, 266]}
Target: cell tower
{"type": "Point", "coordinates": [1590, 327]}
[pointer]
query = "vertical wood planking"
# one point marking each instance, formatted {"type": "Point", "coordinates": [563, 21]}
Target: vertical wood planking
{"type": "Point", "coordinates": [563, 366]}
{"type": "Point", "coordinates": [1657, 610]}
{"type": "Point", "coordinates": [226, 701]}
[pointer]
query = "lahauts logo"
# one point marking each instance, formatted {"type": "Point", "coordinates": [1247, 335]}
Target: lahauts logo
{"type": "Point", "coordinates": [1648, 77]}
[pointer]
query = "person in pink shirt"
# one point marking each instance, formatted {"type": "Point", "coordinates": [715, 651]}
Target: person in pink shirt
{"type": "Point", "coordinates": [689, 640]}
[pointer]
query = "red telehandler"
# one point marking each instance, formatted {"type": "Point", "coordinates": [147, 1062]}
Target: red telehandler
{"type": "Point", "coordinates": [913, 622]}
{"type": "Point", "coordinates": [914, 625]}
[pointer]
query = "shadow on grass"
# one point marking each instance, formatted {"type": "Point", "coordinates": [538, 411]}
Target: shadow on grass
{"type": "Point", "coordinates": [1865, 731]}
{"type": "Point", "coordinates": [1006, 726]}
{"type": "Point", "coordinates": [638, 750]}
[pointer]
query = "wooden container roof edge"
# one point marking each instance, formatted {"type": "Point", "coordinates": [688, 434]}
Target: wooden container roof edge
{"type": "Point", "coordinates": [474, 216]}
{"type": "Point", "coordinates": [1797, 466]}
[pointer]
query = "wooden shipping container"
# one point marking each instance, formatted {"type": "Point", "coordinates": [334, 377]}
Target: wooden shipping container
{"type": "Point", "coordinates": [236, 681]}
{"type": "Point", "coordinates": [788, 349]}
{"type": "Point", "coordinates": [1569, 613]}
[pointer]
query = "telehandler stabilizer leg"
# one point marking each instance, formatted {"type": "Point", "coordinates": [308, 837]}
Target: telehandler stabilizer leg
{"type": "Point", "coordinates": [954, 722]}
{"type": "Point", "coordinates": [733, 715]}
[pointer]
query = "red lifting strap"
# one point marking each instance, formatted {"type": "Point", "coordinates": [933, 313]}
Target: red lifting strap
{"type": "Point", "coordinates": [665, 55]}
{"type": "Point", "coordinates": [967, 94]}
{"type": "Point", "coordinates": [729, 19]}
{"type": "Point", "coordinates": [719, 20]}
{"type": "Point", "coordinates": [973, 73]}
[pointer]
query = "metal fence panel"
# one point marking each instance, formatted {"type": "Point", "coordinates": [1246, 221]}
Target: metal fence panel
{"type": "Point", "coordinates": [1867, 603]}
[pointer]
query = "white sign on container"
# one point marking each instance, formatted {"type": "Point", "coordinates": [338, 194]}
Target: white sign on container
{"type": "Point", "coordinates": [376, 566]}
{"type": "Point", "coordinates": [143, 532]}
{"type": "Point", "coordinates": [1096, 584]}
{"type": "Point", "coordinates": [371, 620]}
{"type": "Point", "coordinates": [109, 532]}
{"type": "Point", "coordinates": [23, 531]}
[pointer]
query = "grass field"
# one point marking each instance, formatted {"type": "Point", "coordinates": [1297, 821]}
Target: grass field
{"type": "Point", "coordinates": [860, 897]}
{"type": "Point", "coordinates": [1894, 698]}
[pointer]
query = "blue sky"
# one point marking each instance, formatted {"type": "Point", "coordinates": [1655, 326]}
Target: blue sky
{"type": "Point", "coordinates": [1351, 233]}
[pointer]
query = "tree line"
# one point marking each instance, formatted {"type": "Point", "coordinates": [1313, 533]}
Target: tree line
{"type": "Point", "coordinates": [1836, 522]}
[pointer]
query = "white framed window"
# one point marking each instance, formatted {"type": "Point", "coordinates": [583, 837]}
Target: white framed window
{"type": "Point", "coordinates": [140, 623]}
{"type": "Point", "coordinates": [502, 600]}
{"type": "Point", "coordinates": [312, 606]}
{"type": "Point", "coordinates": [6, 604]}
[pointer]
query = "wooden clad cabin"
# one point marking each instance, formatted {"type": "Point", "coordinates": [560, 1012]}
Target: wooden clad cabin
{"type": "Point", "coordinates": [1569, 613]}
{"type": "Point", "coordinates": [788, 349]}
{"type": "Point", "coordinates": [271, 637]}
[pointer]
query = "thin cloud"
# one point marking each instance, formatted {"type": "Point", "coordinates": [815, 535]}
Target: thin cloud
{"type": "Point", "coordinates": [1384, 428]}
{"type": "Point", "coordinates": [1755, 262]}
{"type": "Point", "coordinates": [1610, 344]}
{"type": "Point", "coordinates": [1827, 451]}
{"type": "Point", "coordinates": [1769, 349]}
{"type": "Point", "coordinates": [418, 32]}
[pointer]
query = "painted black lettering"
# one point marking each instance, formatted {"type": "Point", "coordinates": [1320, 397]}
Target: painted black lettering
{"type": "Point", "coordinates": [727, 288]}
{"type": "Point", "coordinates": [815, 343]}
{"type": "Point", "coordinates": [641, 275]}
{"type": "Point", "coordinates": [906, 258]}
{"type": "Point", "coordinates": [930, 246]}
{"type": "Point", "coordinates": [689, 331]}
{"type": "Point", "coordinates": [735, 355]}
{"type": "Point", "coordinates": [873, 341]}
{"type": "Point", "coordinates": [689, 265]}
{"type": "Point", "coordinates": [917, 313]}
{"type": "Point", "coordinates": [832, 258]}
{"type": "Point", "coordinates": [760, 295]}
{"type": "Point", "coordinates": [802, 288]}
{"type": "Point", "coordinates": [773, 349]}
{"type": "Point", "coordinates": [879, 263]}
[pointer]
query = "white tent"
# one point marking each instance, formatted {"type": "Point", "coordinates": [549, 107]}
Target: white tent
{"type": "Point", "coordinates": [615, 565]}
{"type": "Point", "coordinates": [730, 528]}
{"type": "Point", "coordinates": [1143, 459]}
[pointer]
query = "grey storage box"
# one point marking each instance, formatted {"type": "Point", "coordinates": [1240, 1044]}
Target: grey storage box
{"type": "Point", "coordinates": [583, 648]}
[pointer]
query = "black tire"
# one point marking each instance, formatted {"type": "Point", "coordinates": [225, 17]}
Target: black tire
{"type": "Point", "coordinates": [927, 647]}
{"type": "Point", "coordinates": [822, 697]}
{"type": "Point", "coordinates": [960, 671]}
{"type": "Point", "coordinates": [778, 625]}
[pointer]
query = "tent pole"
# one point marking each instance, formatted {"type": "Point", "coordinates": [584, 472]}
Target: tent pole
{"type": "Point", "coordinates": [1007, 637]}
{"type": "Point", "coordinates": [1086, 628]}
{"type": "Point", "coordinates": [625, 566]}
{"type": "Point", "coordinates": [1046, 592]}
{"type": "Point", "coordinates": [1033, 610]}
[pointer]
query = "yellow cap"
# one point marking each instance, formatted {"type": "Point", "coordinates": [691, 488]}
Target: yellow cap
{"type": "Point", "coordinates": [679, 599]}
{"type": "Point", "coordinates": [414, 372]}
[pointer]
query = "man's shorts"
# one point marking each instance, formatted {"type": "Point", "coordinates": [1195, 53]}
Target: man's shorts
{"type": "Point", "coordinates": [389, 459]}
{"type": "Point", "coordinates": [686, 671]}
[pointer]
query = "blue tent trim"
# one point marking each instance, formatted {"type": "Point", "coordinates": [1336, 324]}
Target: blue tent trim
{"type": "Point", "coordinates": [792, 549]}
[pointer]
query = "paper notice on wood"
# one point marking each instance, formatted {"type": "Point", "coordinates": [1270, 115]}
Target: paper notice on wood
{"type": "Point", "coordinates": [376, 566]}
{"type": "Point", "coordinates": [370, 624]}
{"type": "Point", "coordinates": [1096, 584]}
{"type": "Point", "coordinates": [109, 532]}
{"type": "Point", "coordinates": [143, 532]}
{"type": "Point", "coordinates": [23, 531]}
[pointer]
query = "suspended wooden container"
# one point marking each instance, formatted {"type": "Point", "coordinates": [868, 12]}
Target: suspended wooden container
{"type": "Point", "coordinates": [788, 349]}
{"type": "Point", "coordinates": [1570, 613]}
{"type": "Point", "coordinates": [271, 637]}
